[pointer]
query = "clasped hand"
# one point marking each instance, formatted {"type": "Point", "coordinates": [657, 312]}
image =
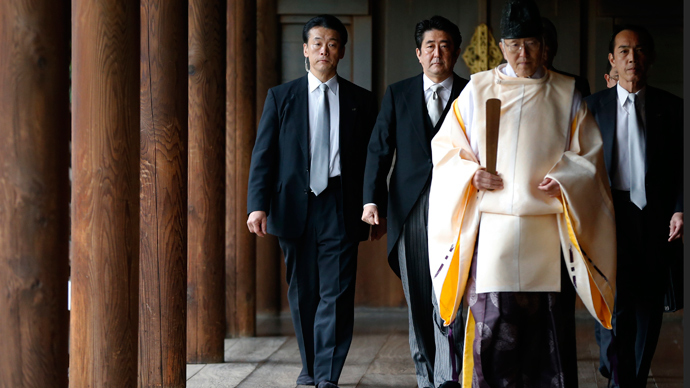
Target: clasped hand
{"type": "Point", "coordinates": [484, 180]}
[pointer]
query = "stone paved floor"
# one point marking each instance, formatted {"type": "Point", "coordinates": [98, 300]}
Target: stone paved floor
{"type": "Point", "coordinates": [380, 356]}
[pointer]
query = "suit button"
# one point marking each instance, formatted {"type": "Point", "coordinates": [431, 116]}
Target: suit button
{"type": "Point", "coordinates": [306, 191]}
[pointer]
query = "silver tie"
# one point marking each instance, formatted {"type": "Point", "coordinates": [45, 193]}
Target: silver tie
{"type": "Point", "coordinates": [435, 105]}
{"type": "Point", "coordinates": [636, 156]}
{"type": "Point", "coordinates": [320, 159]}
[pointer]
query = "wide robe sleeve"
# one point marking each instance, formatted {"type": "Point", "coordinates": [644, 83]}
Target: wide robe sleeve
{"type": "Point", "coordinates": [587, 225]}
{"type": "Point", "coordinates": [453, 213]}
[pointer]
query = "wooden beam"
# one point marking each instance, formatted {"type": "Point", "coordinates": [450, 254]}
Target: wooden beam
{"type": "Point", "coordinates": [163, 216]}
{"type": "Point", "coordinates": [206, 210]}
{"type": "Point", "coordinates": [34, 192]}
{"type": "Point", "coordinates": [240, 247]}
{"type": "Point", "coordinates": [105, 195]}
{"type": "Point", "coordinates": [267, 249]}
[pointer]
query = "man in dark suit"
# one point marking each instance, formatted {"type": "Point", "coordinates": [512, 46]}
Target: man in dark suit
{"type": "Point", "coordinates": [305, 187]}
{"type": "Point", "coordinates": [411, 113]}
{"type": "Point", "coordinates": [642, 131]}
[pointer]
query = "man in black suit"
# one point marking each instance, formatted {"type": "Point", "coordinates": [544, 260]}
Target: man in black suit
{"type": "Point", "coordinates": [411, 113]}
{"type": "Point", "coordinates": [305, 187]}
{"type": "Point", "coordinates": [642, 131]}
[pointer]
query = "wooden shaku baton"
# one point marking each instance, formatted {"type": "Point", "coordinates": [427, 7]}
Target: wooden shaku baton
{"type": "Point", "coordinates": [493, 118]}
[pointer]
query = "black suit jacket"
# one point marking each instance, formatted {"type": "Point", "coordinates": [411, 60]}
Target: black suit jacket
{"type": "Point", "coordinates": [279, 172]}
{"type": "Point", "coordinates": [664, 154]}
{"type": "Point", "coordinates": [403, 124]}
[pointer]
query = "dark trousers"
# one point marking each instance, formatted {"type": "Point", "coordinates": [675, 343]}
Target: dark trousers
{"type": "Point", "coordinates": [321, 268]}
{"type": "Point", "coordinates": [639, 303]}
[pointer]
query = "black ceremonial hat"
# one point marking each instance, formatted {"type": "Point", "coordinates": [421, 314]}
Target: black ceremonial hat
{"type": "Point", "coordinates": [521, 19]}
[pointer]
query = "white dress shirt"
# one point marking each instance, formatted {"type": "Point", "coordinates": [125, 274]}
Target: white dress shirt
{"type": "Point", "coordinates": [466, 104]}
{"type": "Point", "coordinates": [621, 174]}
{"type": "Point", "coordinates": [334, 108]}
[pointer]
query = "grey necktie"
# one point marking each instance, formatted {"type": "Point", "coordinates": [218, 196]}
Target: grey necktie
{"type": "Point", "coordinates": [318, 178]}
{"type": "Point", "coordinates": [636, 155]}
{"type": "Point", "coordinates": [435, 105]}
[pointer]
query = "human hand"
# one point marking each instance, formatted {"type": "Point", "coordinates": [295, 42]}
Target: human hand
{"type": "Point", "coordinates": [370, 215]}
{"type": "Point", "coordinates": [483, 180]}
{"type": "Point", "coordinates": [378, 231]}
{"type": "Point", "coordinates": [550, 187]}
{"type": "Point", "coordinates": [256, 222]}
{"type": "Point", "coordinates": [676, 227]}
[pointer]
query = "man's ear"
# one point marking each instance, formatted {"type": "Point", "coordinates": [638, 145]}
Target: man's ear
{"type": "Point", "coordinates": [419, 55]}
{"type": "Point", "coordinates": [612, 60]}
{"type": "Point", "coordinates": [306, 53]}
{"type": "Point", "coordinates": [503, 50]}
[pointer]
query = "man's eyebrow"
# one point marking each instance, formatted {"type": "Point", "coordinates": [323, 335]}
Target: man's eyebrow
{"type": "Point", "coordinates": [440, 41]}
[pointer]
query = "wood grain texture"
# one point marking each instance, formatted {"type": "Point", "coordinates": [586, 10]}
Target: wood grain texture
{"type": "Point", "coordinates": [377, 285]}
{"type": "Point", "coordinates": [34, 192]}
{"type": "Point", "coordinates": [163, 216]}
{"type": "Point", "coordinates": [105, 195]}
{"type": "Point", "coordinates": [268, 75]}
{"type": "Point", "coordinates": [241, 132]}
{"type": "Point", "coordinates": [206, 192]}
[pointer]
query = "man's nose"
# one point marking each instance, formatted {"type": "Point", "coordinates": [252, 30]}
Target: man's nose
{"type": "Point", "coordinates": [523, 51]}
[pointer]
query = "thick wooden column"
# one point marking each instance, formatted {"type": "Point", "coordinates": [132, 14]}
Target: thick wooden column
{"type": "Point", "coordinates": [163, 217]}
{"type": "Point", "coordinates": [206, 214]}
{"type": "Point", "coordinates": [268, 75]}
{"type": "Point", "coordinates": [34, 192]}
{"type": "Point", "coordinates": [240, 249]}
{"type": "Point", "coordinates": [105, 195]}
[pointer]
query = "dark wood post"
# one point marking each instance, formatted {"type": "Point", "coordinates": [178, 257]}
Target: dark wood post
{"type": "Point", "coordinates": [206, 215]}
{"type": "Point", "coordinates": [34, 192]}
{"type": "Point", "coordinates": [105, 195]}
{"type": "Point", "coordinates": [163, 216]}
{"type": "Point", "coordinates": [268, 260]}
{"type": "Point", "coordinates": [240, 247]}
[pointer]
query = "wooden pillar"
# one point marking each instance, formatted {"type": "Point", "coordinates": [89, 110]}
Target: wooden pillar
{"type": "Point", "coordinates": [105, 195]}
{"type": "Point", "coordinates": [34, 192]}
{"type": "Point", "coordinates": [163, 216]}
{"type": "Point", "coordinates": [240, 249]}
{"type": "Point", "coordinates": [206, 214]}
{"type": "Point", "coordinates": [268, 259]}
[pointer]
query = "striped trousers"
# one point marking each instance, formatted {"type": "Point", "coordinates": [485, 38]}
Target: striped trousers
{"type": "Point", "coordinates": [436, 350]}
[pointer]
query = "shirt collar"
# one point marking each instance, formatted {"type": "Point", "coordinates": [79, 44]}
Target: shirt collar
{"type": "Point", "coordinates": [623, 95]}
{"type": "Point", "coordinates": [446, 83]}
{"type": "Point", "coordinates": [511, 73]}
{"type": "Point", "coordinates": [315, 82]}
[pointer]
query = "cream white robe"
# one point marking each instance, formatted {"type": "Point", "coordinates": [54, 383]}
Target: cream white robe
{"type": "Point", "coordinates": [540, 137]}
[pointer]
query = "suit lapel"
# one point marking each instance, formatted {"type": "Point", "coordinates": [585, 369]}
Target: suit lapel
{"type": "Point", "coordinates": [348, 114]}
{"type": "Point", "coordinates": [607, 124]}
{"type": "Point", "coordinates": [299, 99]}
{"type": "Point", "coordinates": [414, 101]}
{"type": "Point", "coordinates": [652, 116]}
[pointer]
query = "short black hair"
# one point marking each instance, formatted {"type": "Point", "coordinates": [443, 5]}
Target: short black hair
{"type": "Point", "coordinates": [645, 37]}
{"type": "Point", "coordinates": [326, 21]}
{"type": "Point", "coordinates": [437, 23]}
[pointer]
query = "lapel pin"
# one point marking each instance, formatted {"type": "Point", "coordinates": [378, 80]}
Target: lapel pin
{"type": "Point", "coordinates": [354, 109]}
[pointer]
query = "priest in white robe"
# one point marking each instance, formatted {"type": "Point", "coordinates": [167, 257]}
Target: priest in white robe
{"type": "Point", "coordinates": [511, 242]}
